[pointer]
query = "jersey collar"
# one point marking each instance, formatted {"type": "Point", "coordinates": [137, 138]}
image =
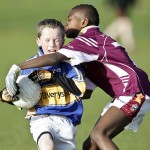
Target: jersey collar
{"type": "Point", "coordinates": [86, 28]}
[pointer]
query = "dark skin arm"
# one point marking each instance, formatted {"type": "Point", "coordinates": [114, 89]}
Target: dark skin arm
{"type": "Point", "coordinates": [45, 60]}
{"type": "Point", "coordinates": [49, 60]}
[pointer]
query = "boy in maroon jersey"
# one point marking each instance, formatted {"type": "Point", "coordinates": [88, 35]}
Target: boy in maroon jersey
{"type": "Point", "coordinates": [108, 66]}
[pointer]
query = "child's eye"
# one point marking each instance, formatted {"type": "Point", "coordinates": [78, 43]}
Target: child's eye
{"type": "Point", "coordinates": [57, 40]}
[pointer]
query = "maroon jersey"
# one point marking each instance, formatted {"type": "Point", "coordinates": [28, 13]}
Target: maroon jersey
{"type": "Point", "coordinates": [106, 63]}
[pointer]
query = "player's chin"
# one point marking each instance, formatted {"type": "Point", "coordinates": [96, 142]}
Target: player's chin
{"type": "Point", "coordinates": [72, 33]}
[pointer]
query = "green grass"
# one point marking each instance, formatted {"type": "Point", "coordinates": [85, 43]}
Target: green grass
{"type": "Point", "coordinates": [17, 43]}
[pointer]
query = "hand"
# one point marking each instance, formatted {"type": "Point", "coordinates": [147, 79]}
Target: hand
{"type": "Point", "coordinates": [11, 78]}
{"type": "Point", "coordinates": [40, 75]}
{"type": "Point", "coordinates": [5, 97]}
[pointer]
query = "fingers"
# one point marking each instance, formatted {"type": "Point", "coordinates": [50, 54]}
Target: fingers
{"type": "Point", "coordinates": [34, 76]}
{"type": "Point", "coordinates": [5, 95]}
{"type": "Point", "coordinates": [11, 79]}
{"type": "Point", "coordinates": [17, 89]}
{"type": "Point", "coordinates": [11, 90]}
{"type": "Point", "coordinates": [15, 98]}
{"type": "Point", "coordinates": [39, 75]}
{"type": "Point", "coordinates": [11, 87]}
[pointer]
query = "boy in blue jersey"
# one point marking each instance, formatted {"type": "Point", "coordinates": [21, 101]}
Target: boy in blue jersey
{"type": "Point", "coordinates": [53, 120]}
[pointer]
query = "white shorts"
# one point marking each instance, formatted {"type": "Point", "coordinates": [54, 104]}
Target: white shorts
{"type": "Point", "coordinates": [137, 119]}
{"type": "Point", "coordinates": [62, 131]}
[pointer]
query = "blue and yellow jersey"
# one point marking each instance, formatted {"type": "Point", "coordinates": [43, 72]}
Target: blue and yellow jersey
{"type": "Point", "coordinates": [54, 99]}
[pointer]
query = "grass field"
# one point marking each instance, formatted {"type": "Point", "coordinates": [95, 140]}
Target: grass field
{"type": "Point", "coordinates": [17, 43]}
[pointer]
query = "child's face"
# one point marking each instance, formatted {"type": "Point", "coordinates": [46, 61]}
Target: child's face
{"type": "Point", "coordinates": [51, 40]}
{"type": "Point", "coordinates": [75, 23]}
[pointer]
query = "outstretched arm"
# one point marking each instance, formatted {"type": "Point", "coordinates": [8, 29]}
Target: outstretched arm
{"type": "Point", "coordinates": [45, 60]}
{"type": "Point", "coordinates": [14, 72]}
{"type": "Point", "coordinates": [67, 83]}
{"type": "Point", "coordinates": [87, 94]}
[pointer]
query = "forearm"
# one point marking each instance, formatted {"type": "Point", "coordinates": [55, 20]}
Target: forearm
{"type": "Point", "coordinates": [45, 60]}
{"type": "Point", "coordinates": [87, 94]}
{"type": "Point", "coordinates": [47, 76]}
{"type": "Point", "coordinates": [66, 83]}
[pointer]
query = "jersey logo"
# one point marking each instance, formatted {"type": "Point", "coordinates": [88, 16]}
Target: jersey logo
{"type": "Point", "coordinates": [55, 94]}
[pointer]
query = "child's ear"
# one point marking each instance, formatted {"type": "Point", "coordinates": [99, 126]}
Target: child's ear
{"type": "Point", "coordinates": [85, 22]}
{"type": "Point", "coordinates": [38, 42]}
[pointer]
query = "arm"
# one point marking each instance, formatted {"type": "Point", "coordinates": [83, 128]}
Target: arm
{"type": "Point", "coordinates": [87, 94]}
{"type": "Point", "coordinates": [90, 87]}
{"type": "Point", "coordinates": [70, 85]}
{"type": "Point", "coordinates": [45, 60]}
{"type": "Point", "coordinates": [14, 72]}
{"type": "Point", "coordinates": [67, 83]}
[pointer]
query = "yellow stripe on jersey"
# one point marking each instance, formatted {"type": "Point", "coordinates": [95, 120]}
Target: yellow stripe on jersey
{"type": "Point", "coordinates": [81, 86]}
{"type": "Point", "coordinates": [55, 95]}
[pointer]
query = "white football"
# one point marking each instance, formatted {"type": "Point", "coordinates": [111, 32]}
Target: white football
{"type": "Point", "coordinates": [30, 92]}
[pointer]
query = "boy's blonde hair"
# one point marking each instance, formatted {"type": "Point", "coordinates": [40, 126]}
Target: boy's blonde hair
{"type": "Point", "coordinates": [52, 23]}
